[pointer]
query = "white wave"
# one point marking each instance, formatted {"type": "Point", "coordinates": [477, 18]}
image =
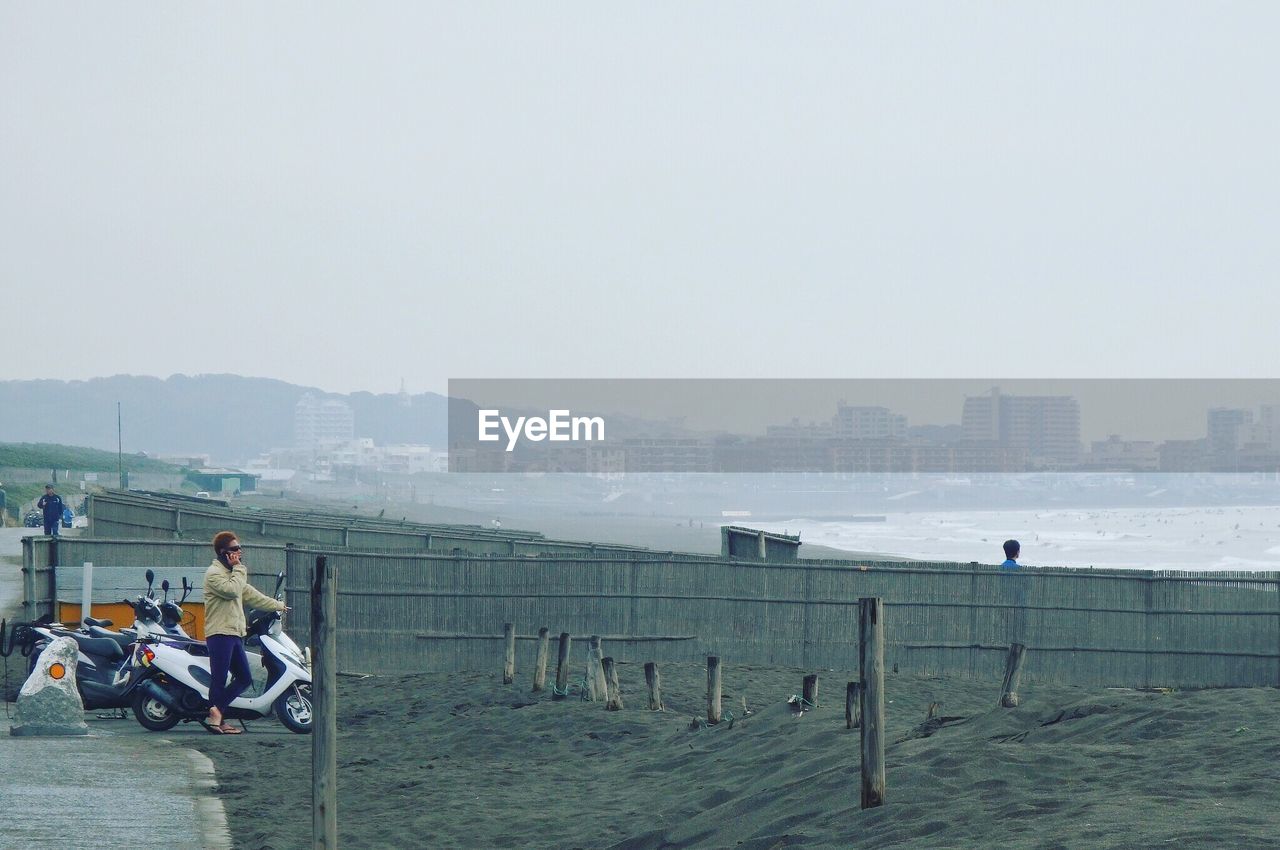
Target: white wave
{"type": "Point", "coordinates": [1174, 538]}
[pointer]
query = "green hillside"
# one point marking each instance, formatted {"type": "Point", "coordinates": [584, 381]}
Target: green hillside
{"type": "Point", "coordinates": [54, 456]}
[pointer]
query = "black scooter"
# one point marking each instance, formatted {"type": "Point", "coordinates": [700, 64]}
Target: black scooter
{"type": "Point", "coordinates": [104, 666]}
{"type": "Point", "coordinates": [105, 674]}
{"type": "Point", "coordinates": [171, 613]}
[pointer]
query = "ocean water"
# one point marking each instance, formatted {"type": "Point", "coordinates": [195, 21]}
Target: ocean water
{"type": "Point", "coordinates": [1211, 538]}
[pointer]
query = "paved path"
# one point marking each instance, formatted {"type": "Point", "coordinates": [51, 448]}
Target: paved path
{"type": "Point", "coordinates": [112, 788]}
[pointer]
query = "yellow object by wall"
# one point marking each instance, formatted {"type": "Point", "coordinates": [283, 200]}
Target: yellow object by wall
{"type": "Point", "coordinates": [122, 615]}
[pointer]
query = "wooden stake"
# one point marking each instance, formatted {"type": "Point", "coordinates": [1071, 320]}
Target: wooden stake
{"type": "Point", "coordinates": [540, 666]}
{"type": "Point", "coordinates": [852, 706]}
{"type": "Point", "coordinates": [713, 689]}
{"type": "Point", "coordinates": [562, 667]}
{"type": "Point", "coordinates": [324, 731]}
{"type": "Point", "coordinates": [654, 681]}
{"type": "Point", "coordinates": [509, 660]}
{"type": "Point", "coordinates": [1012, 673]}
{"type": "Point", "coordinates": [810, 690]}
{"type": "Point", "coordinates": [871, 678]}
{"type": "Point", "coordinates": [595, 671]}
{"type": "Point", "coordinates": [614, 703]}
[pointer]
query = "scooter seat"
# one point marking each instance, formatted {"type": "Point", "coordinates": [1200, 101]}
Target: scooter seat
{"type": "Point", "coordinates": [99, 632]}
{"type": "Point", "coordinates": [102, 624]}
{"type": "Point", "coordinates": [101, 647]}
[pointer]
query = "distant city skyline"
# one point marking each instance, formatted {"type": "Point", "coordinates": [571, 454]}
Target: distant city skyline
{"type": "Point", "coordinates": [1136, 409]}
{"type": "Point", "coordinates": [710, 426]}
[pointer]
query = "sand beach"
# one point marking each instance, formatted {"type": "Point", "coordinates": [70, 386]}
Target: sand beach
{"type": "Point", "coordinates": [463, 761]}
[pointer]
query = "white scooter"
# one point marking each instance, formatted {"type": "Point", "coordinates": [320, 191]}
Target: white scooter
{"type": "Point", "coordinates": [175, 679]}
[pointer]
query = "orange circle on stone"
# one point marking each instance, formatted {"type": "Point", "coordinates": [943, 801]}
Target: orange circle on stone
{"type": "Point", "coordinates": [57, 671]}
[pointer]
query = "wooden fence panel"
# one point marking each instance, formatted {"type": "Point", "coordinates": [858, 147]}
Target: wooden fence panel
{"type": "Point", "coordinates": [437, 611]}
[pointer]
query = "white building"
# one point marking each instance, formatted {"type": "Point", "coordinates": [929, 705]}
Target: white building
{"type": "Point", "coordinates": [853, 422]}
{"type": "Point", "coordinates": [1115, 454]}
{"type": "Point", "coordinates": [322, 422]}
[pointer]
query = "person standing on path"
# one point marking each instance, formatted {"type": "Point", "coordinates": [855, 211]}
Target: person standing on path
{"type": "Point", "coordinates": [51, 504]}
{"type": "Point", "coordinates": [226, 592]}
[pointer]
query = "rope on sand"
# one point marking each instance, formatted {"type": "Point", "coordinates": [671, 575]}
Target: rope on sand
{"type": "Point", "coordinates": [568, 688]}
{"type": "Point", "coordinates": [703, 723]}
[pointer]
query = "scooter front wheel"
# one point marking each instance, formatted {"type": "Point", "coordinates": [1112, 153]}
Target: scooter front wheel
{"type": "Point", "coordinates": [293, 708]}
{"type": "Point", "coordinates": [152, 713]}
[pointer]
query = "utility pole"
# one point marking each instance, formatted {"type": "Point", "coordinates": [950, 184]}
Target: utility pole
{"type": "Point", "coordinates": [119, 447]}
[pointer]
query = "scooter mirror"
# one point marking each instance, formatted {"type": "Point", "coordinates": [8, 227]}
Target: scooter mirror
{"type": "Point", "coordinates": [151, 577]}
{"type": "Point", "coordinates": [164, 585]}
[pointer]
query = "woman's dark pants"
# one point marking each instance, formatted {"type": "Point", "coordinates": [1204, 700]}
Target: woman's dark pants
{"type": "Point", "coordinates": [226, 653]}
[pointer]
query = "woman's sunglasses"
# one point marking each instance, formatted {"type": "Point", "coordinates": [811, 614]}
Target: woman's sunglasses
{"type": "Point", "coordinates": [233, 549]}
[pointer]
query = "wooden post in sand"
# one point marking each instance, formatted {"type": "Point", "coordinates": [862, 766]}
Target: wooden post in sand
{"type": "Point", "coordinates": [1012, 672]}
{"type": "Point", "coordinates": [324, 702]}
{"type": "Point", "coordinates": [509, 659]}
{"type": "Point", "coordinates": [540, 666]}
{"type": "Point", "coordinates": [614, 703]}
{"type": "Point", "coordinates": [599, 688]}
{"type": "Point", "coordinates": [562, 668]}
{"type": "Point", "coordinates": [713, 689]}
{"type": "Point", "coordinates": [871, 679]}
{"type": "Point", "coordinates": [809, 692]}
{"type": "Point", "coordinates": [852, 706]}
{"type": "Point", "coordinates": [654, 681]}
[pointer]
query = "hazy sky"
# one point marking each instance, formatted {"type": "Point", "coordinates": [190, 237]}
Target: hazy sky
{"type": "Point", "coordinates": [343, 195]}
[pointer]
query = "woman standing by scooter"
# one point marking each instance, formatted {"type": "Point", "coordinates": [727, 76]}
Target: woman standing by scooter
{"type": "Point", "coordinates": [226, 592]}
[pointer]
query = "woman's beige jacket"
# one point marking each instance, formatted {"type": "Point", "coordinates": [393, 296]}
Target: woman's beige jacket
{"type": "Point", "coordinates": [226, 592]}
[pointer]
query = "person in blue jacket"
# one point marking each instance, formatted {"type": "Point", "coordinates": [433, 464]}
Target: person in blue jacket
{"type": "Point", "coordinates": [1016, 590]}
{"type": "Point", "coordinates": [1012, 549]}
{"type": "Point", "coordinates": [51, 504]}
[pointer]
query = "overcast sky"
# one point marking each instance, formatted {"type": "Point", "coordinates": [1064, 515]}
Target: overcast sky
{"type": "Point", "coordinates": [342, 195]}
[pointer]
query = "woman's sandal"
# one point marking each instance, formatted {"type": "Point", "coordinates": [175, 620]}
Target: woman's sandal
{"type": "Point", "coordinates": [222, 727]}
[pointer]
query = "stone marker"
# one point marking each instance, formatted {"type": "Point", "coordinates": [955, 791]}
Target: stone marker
{"type": "Point", "coordinates": [48, 703]}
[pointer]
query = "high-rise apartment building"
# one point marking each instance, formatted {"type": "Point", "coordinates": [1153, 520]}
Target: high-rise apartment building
{"type": "Point", "coordinates": [322, 421]}
{"type": "Point", "coordinates": [1047, 427]}
{"type": "Point", "coordinates": [1228, 429]}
